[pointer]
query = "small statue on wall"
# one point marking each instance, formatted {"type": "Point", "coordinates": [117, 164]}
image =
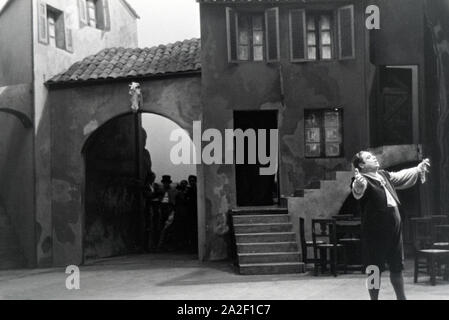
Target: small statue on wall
{"type": "Point", "coordinates": [136, 96]}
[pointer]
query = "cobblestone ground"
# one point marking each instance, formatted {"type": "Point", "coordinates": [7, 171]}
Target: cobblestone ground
{"type": "Point", "coordinates": [170, 277]}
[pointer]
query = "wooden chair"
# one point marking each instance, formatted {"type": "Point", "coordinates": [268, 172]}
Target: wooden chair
{"type": "Point", "coordinates": [305, 245]}
{"type": "Point", "coordinates": [326, 229]}
{"type": "Point", "coordinates": [349, 235]}
{"type": "Point", "coordinates": [440, 230]}
{"type": "Point", "coordinates": [427, 259]}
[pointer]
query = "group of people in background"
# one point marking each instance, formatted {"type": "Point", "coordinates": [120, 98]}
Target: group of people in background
{"type": "Point", "coordinates": [170, 215]}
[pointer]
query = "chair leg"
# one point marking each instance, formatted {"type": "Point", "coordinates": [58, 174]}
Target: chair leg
{"type": "Point", "coordinates": [446, 271]}
{"type": "Point", "coordinates": [316, 261]}
{"type": "Point", "coordinates": [323, 260]}
{"type": "Point", "coordinates": [415, 280]}
{"type": "Point", "coordinates": [334, 262]}
{"type": "Point", "coordinates": [431, 265]}
{"type": "Point", "coordinates": [345, 260]}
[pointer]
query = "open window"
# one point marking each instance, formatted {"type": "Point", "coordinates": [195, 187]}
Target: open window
{"type": "Point", "coordinates": [94, 13]}
{"type": "Point", "coordinates": [322, 35]}
{"type": "Point", "coordinates": [253, 36]}
{"type": "Point", "coordinates": [52, 28]}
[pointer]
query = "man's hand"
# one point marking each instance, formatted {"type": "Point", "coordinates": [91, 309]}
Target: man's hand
{"type": "Point", "coordinates": [360, 181]}
{"type": "Point", "coordinates": [424, 166]}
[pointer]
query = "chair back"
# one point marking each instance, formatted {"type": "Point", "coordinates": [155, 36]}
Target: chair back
{"type": "Point", "coordinates": [423, 235]}
{"type": "Point", "coordinates": [324, 229]}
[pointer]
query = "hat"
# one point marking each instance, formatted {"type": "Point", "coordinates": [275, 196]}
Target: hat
{"type": "Point", "coordinates": [166, 179]}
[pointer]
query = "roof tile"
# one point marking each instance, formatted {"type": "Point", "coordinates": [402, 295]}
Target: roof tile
{"type": "Point", "coordinates": [121, 62]}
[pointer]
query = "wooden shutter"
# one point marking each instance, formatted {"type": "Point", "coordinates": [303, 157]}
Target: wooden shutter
{"type": "Point", "coordinates": [42, 22]}
{"type": "Point", "coordinates": [272, 34]}
{"type": "Point", "coordinates": [82, 11]}
{"type": "Point", "coordinates": [298, 35]}
{"type": "Point", "coordinates": [60, 31]}
{"type": "Point", "coordinates": [346, 32]}
{"type": "Point", "coordinates": [231, 29]}
{"type": "Point", "coordinates": [68, 34]}
{"type": "Point", "coordinates": [103, 16]}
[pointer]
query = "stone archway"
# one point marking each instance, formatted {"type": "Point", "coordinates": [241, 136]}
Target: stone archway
{"type": "Point", "coordinates": [118, 219]}
{"type": "Point", "coordinates": [80, 111]}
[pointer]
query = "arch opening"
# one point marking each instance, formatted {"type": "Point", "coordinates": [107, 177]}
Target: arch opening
{"type": "Point", "coordinates": [128, 210]}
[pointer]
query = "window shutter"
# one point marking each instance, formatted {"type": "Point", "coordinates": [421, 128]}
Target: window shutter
{"type": "Point", "coordinates": [231, 29]}
{"type": "Point", "coordinates": [68, 34]}
{"type": "Point", "coordinates": [42, 23]}
{"type": "Point", "coordinates": [60, 31]}
{"type": "Point", "coordinates": [82, 11]}
{"type": "Point", "coordinates": [272, 34]}
{"type": "Point", "coordinates": [103, 17]}
{"type": "Point", "coordinates": [298, 35]}
{"type": "Point", "coordinates": [346, 32]}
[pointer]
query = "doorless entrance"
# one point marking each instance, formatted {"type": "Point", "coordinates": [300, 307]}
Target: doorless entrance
{"type": "Point", "coordinates": [252, 188]}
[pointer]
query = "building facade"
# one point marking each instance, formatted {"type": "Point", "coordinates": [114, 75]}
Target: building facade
{"type": "Point", "coordinates": [39, 39]}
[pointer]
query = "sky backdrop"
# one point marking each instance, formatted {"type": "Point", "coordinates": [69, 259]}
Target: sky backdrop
{"type": "Point", "coordinates": [166, 21]}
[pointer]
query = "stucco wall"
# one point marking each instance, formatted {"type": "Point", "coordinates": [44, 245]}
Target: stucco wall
{"type": "Point", "coordinates": [80, 111]}
{"type": "Point", "coordinates": [16, 44]}
{"type": "Point", "coordinates": [49, 61]}
{"type": "Point", "coordinates": [16, 169]}
{"type": "Point", "coordinates": [256, 86]}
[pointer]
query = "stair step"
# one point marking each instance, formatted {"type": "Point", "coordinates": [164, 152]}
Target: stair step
{"type": "Point", "coordinates": [265, 237]}
{"type": "Point", "coordinates": [262, 228]}
{"type": "Point", "coordinates": [272, 268]}
{"type": "Point", "coordinates": [267, 247]}
{"type": "Point", "coordinates": [249, 219]}
{"type": "Point", "coordinates": [270, 257]}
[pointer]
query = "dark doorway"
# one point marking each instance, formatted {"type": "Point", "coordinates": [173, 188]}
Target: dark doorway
{"type": "Point", "coordinates": [252, 188]}
{"type": "Point", "coordinates": [114, 209]}
{"type": "Point", "coordinates": [394, 110]}
{"type": "Point", "coordinates": [131, 205]}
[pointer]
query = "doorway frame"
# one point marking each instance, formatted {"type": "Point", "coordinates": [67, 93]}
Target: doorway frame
{"type": "Point", "coordinates": [278, 159]}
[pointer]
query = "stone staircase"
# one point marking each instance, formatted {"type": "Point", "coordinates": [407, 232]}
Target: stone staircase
{"type": "Point", "coordinates": [11, 254]}
{"type": "Point", "coordinates": [265, 242]}
{"type": "Point", "coordinates": [322, 200]}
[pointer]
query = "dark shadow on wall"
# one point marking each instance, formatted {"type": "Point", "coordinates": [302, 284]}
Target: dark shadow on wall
{"type": "Point", "coordinates": [112, 219]}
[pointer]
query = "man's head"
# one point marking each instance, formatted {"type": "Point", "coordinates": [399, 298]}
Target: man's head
{"type": "Point", "coordinates": [365, 161]}
{"type": "Point", "coordinates": [192, 180]}
{"type": "Point", "coordinates": [166, 181]}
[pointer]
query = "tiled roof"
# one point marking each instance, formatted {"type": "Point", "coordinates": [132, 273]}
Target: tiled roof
{"type": "Point", "coordinates": [119, 63]}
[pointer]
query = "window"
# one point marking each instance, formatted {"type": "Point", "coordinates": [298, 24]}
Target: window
{"type": "Point", "coordinates": [319, 36]}
{"type": "Point", "coordinates": [250, 38]}
{"type": "Point", "coordinates": [253, 36]}
{"type": "Point", "coordinates": [91, 13]}
{"type": "Point", "coordinates": [94, 13]}
{"type": "Point", "coordinates": [314, 35]}
{"type": "Point", "coordinates": [323, 133]}
{"type": "Point", "coordinates": [52, 29]}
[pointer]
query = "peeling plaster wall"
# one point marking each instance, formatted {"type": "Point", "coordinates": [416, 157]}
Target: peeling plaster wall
{"type": "Point", "coordinates": [49, 61]}
{"type": "Point", "coordinates": [80, 111]}
{"type": "Point", "coordinates": [256, 86]}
